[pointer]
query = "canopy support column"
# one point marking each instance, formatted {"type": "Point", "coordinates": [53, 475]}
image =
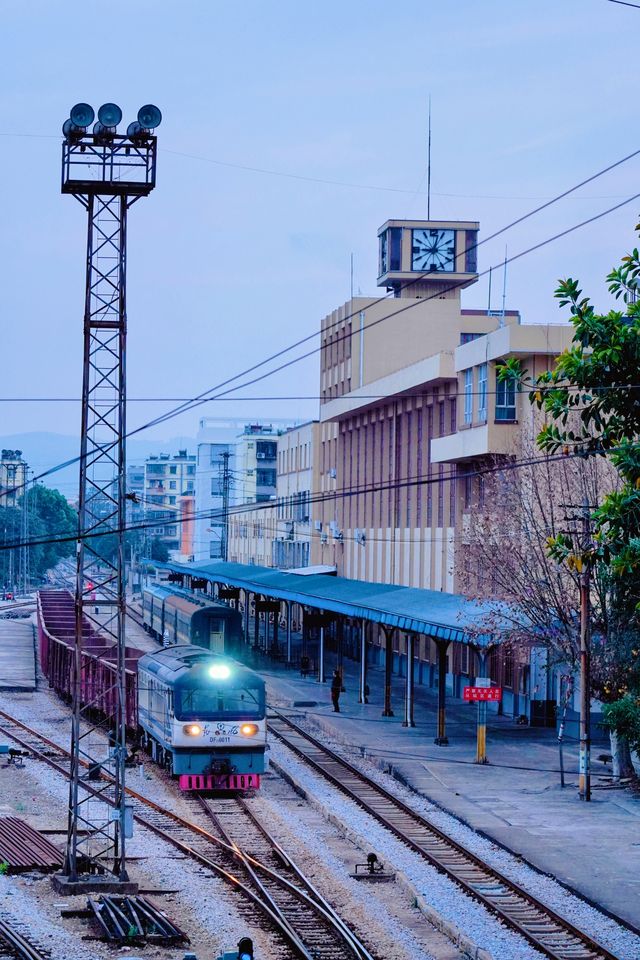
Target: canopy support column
{"type": "Point", "coordinates": [247, 596]}
{"type": "Point", "coordinates": [321, 655]}
{"type": "Point", "coordinates": [408, 696]}
{"type": "Point", "coordinates": [441, 739]}
{"type": "Point", "coordinates": [388, 664]}
{"type": "Point", "coordinates": [362, 691]}
{"type": "Point", "coordinates": [288, 603]}
{"type": "Point", "coordinates": [276, 617]}
{"type": "Point", "coordinates": [256, 622]}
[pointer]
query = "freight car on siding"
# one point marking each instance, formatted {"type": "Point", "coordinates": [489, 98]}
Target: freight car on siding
{"type": "Point", "coordinates": [174, 617]}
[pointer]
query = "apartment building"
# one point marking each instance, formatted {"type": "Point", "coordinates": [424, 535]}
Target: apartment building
{"type": "Point", "coordinates": [283, 531]}
{"type": "Point", "coordinates": [13, 477]}
{"type": "Point", "coordinates": [216, 448]}
{"type": "Point", "coordinates": [256, 467]}
{"type": "Point", "coordinates": [167, 480]}
{"type": "Point", "coordinates": [297, 531]}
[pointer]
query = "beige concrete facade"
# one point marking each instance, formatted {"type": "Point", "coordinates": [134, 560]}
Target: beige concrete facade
{"type": "Point", "coordinates": [410, 401]}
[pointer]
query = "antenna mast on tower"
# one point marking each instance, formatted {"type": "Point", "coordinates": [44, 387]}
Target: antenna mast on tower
{"type": "Point", "coordinates": [429, 165]}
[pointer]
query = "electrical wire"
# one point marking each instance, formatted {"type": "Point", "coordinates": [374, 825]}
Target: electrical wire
{"type": "Point", "coordinates": [325, 496]}
{"type": "Point", "coordinates": [183, 408]}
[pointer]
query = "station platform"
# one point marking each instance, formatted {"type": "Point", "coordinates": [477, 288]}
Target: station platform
{"type": "Point", "coordinates": [17, 655]}
{"type": "Point", "coordinates": [515, 799]}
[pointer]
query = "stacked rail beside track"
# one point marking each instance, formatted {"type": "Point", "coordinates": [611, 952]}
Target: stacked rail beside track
{"type": "Point", "coordinates": [551, 934]}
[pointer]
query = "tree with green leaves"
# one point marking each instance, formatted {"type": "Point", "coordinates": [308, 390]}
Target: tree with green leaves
{"type": "Point", "coordinates": [591, 399]}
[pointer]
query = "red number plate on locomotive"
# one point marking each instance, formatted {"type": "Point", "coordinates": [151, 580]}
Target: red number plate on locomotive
{"type": "Point", "coordinates": [232, 781]}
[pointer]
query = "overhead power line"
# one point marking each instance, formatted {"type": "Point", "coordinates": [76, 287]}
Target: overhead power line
{"type": "Point", "coordinates": [327, 496]}
{"type": "Point", "coordinates": [205, 395]}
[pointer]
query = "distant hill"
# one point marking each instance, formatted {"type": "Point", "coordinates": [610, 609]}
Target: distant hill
{"type": "Point", "coordinates": [44, 451]}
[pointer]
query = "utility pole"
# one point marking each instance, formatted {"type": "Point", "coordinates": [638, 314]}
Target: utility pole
{"type": "Point", "coordinates": [585, 659]}
{"type": "Point", "coordinates": [582, 560]}
{"type": "Point", "coordinates": [107, 173]}
{"type": "Point", "coordinates": [226, 484]}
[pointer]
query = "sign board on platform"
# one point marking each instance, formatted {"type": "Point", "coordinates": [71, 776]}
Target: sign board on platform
{"type": "Point", "coordinates": [493, 694]}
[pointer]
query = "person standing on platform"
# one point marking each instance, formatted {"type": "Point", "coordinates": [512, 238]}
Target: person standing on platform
{"type": "Point", "coordinates": [336, 688]}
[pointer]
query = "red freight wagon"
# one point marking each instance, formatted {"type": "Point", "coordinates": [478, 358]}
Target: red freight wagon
{"type": "Point", "coordinates": [56, 637]}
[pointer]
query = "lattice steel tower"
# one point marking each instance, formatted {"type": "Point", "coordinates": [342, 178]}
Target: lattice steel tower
{"type": "Point", "coordinates": [107, 173]}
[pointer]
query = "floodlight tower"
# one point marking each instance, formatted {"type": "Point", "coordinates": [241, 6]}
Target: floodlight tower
{"type": "Point", "coordinates": [107, 173]}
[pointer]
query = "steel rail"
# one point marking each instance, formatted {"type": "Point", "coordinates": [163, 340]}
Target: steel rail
{"type": "Point", "coordinates": [298, 949]}
{"type": "Point", "coordinates": [230, 850]}
{"type": "Point", "coordinates": [545, 929]}
{"type": "Point", "coordinates": [24, 949]}
{"type": "Point", "coordinates": [307, 894]}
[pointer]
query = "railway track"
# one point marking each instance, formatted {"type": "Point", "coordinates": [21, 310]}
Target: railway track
{"type": "Point", "coordinates": [547, 931]}
{"type": "Point", "coordinates": [307, 926]}
{"type": "Point", "coordinates": [311, 916]}
{"type": "Point", "coordinates": [14, 944]}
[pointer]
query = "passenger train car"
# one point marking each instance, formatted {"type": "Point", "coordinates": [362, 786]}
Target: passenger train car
{"type": "Point", "coordinates": [174, 617]}
{"type": "Point", "coordinates": [198, 713]}
{"type": "Point", "coordinates": [203, 717]}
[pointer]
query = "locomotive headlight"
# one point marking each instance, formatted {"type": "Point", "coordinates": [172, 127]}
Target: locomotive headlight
{"type": "Point", "coordinates": [249, 729]}
{"type": "Point", "coordinates": [192, 729]}
{"type": "Point", "coordinates": [219, 671]}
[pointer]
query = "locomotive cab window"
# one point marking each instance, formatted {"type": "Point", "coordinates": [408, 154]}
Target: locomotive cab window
{"type": "Point", "coordinates": [220, 703]}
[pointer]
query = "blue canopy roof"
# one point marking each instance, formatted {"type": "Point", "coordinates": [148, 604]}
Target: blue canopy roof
{"type": "Point", "coordinates": [445, 616]}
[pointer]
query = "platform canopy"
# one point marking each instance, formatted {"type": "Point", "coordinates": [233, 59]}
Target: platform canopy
{"type": "Point", "coordinates": [444, 616]}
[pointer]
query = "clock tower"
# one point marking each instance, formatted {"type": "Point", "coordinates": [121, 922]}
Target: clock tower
{"type": "Point", "coordinates": [422, 258]}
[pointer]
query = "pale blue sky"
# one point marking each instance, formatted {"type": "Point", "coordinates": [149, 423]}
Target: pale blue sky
{"type": "Point", "coordinates": [227, 265]}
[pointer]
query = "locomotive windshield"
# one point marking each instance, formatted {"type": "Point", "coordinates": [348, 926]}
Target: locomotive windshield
{"type": "Point", "coordinates": [229, 703]}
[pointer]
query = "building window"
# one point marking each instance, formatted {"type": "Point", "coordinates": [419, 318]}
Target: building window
{"type": "Point", "coordinates": [508, 668]}
{"type": "Point", "coordinates": [464, 658]}
{"type": "Point", "coordinates": [468, 487]}
{"type": "Point", "coordinates": [429, 466]}
{"type": "Point", "coordinates": [395, 248]}
{"type": "Point", "coordinates": [482, 392]}
{"type": "Point", "coordinates": [266, 478]}
{"type": "Point", "coordinates": [419, 470]}
{"type": "Point", "coordinates": [173, 469]}
{"type": "Point", "coordinates": [191, 469]}
{"type": "Point", "coordinates": [468, 337]}
{"type": "Point", "coordinates": [440, 496]}
{"type": "Point", "coordinates": [189, 486]}
{"type": "Point", "coordinates": [505, 399]}
{"type": "Point", "coordinates": [452, 495]}
{"type": "Point", "coordinates": [471, 251]}
{"type": "Point", "coordinates": [266, 450]}
{"type": "Point", "coordinates": [468, 395]}
{"type": "Point", "coordinates": [441, 429]}
{"type": "Point", "coordinates": [172, 484]}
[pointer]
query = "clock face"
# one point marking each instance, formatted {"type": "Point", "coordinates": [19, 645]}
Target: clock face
{"type": "Point", "coordinates": [433, 251]}
{"type": "Point", "coordinates": [384, 258]}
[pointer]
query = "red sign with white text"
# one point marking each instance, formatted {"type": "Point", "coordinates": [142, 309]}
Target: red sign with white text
{"type": "Point", "coordinates": [483, 693]}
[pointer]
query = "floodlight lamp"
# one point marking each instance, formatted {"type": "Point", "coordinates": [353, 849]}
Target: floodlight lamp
{"type": "Point", "coordinates": [110, 115]}
{"type": "Point", "coordinates": [102, 133]}
{"type": "Point", "coordinates": [219, 671]}
{"type": "Point", "coordinates": [135, 131]}
{"type": "Point", "coordinates": [82, 115]}
{"type": "Point", "coordinates": [70, 130]}
{"type": "Point", "coordinates": [149, 116]}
